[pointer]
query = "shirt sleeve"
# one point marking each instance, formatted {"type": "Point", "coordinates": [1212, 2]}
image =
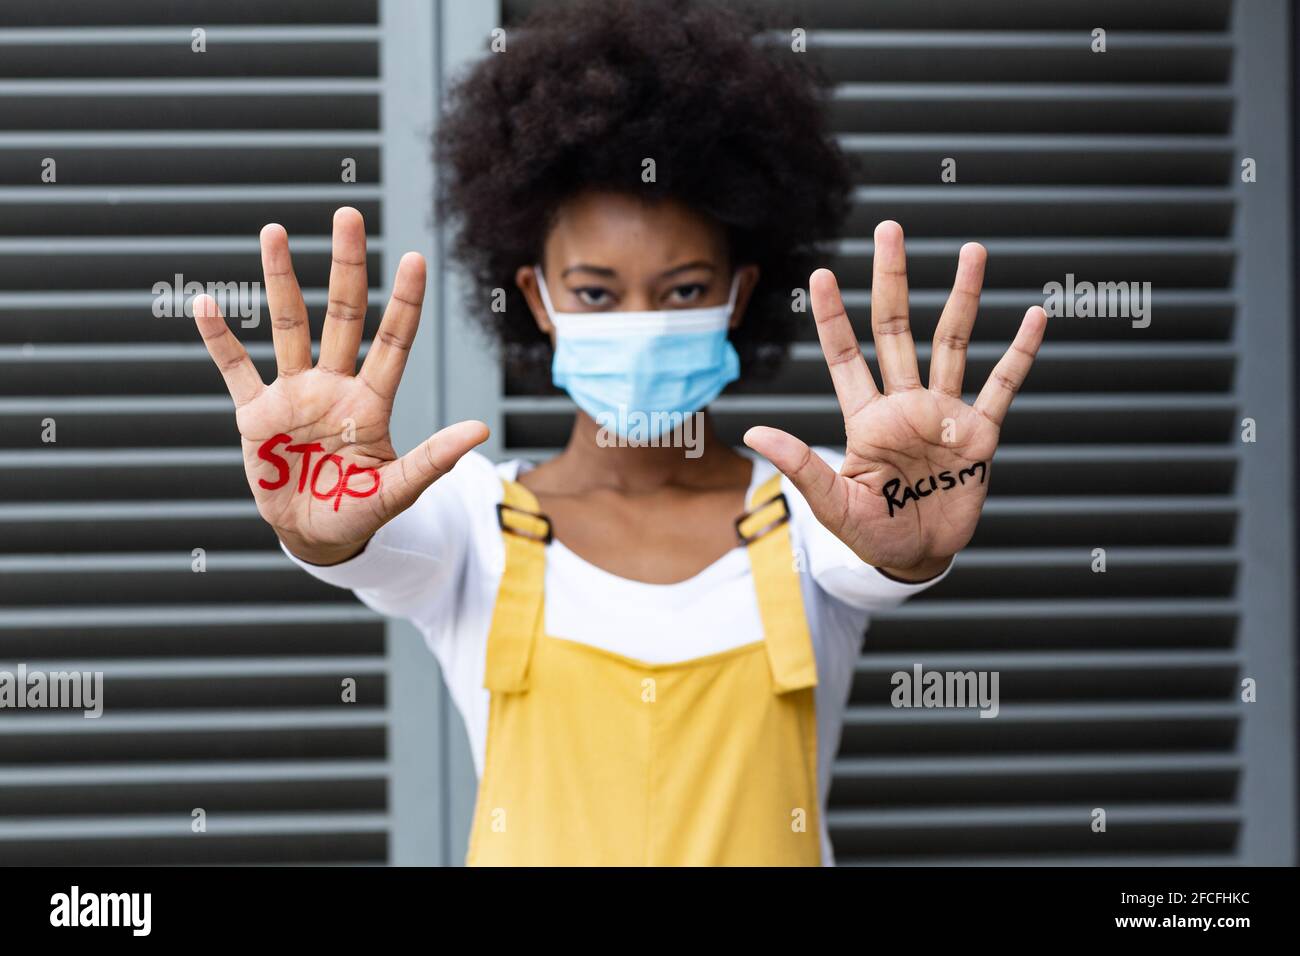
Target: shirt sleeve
{"type": "Point", "coordinates": [413, 564]}
{"type": "Point", "coordinates": [834, 566]}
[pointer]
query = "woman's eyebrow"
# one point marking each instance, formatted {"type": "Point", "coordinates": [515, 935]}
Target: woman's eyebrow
{"type": "Point", "coordinates": [697, 264]}
{"type": "Point", "coordinates": [597, 270]}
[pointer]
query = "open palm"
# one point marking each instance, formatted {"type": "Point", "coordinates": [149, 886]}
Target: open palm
{"type": "Point", "coordinates": [917, 458]}
{"type": "Point", "coordinates": [317, 451]}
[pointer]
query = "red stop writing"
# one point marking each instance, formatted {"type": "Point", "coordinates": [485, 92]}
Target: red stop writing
{"type": "Point", "coordinates": [342, 485]}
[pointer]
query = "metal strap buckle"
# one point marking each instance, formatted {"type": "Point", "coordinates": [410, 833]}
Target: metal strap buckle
{"type": "Point", "coordinates": [502, 508]}
{"type": "Point", "coordinates": [770, 526]}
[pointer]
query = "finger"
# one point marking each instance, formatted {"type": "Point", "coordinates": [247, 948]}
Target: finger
{"type": "Point", "coordinates": [817, 481]}
{"type": "Point", "coordinates": [345, 316]}
{"type": "Point", "coordinates": [423, 465]}
{"type": "Point", "coordinates": [242, 380]}
{"type": "Point", "coordinates": [1008, 376]}
{"type": "Point", "coordinates": [382, 369]}
{"type": "Point", "coordinates": [289, 329]}
{"type": "Point", "coordinates": [889, 326]}
{"type": "Point", "coordinates": [952, 336]}
{"type": "Point", "coordinates": [854, 386]}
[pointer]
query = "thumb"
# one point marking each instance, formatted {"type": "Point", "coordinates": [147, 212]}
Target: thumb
{"type": "Point", "coordinates": [434, 457]}
{"type": "Point", "coordinates": [816, 480]}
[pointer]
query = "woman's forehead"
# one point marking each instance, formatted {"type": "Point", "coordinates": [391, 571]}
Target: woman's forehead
{"type": "Point", "coordinates": [619, 233]}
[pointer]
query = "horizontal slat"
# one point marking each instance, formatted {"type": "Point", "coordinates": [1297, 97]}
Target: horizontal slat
{"type": "Point", "coordinates": [938, 822]}
{"type": "Point", "coordinates": [161, 774]}
{"type": "Point", "coordinates": [947, 768]}
{"type": "Point", "coordinates": [1032, 263]}
{"type": "Point", "coordinates": [1137, 366]}
{"type": "Point", "coordinates": [241, 12]}
{"type": "Point", "coordinates": [34, 320]}
{"type": "Point", "coordinates": [172, 615]}
{"type": "Point", "coordinates": [1047, 714]}
{"type": "Point", "coordinates": [964, 210]}
{"type": "Point", "coordinates": [161, 36]}
{"type": "Point", "coordinates": [1093, 727]}
{"type": "Point", "coordinates": [119, 158]}
{"type": "Point", "coordinates": [977, 817]}
{"type": "Point", "coordinates": [234, 87]}
{"type": "Point", "coordinates": [1143, 859]}
{"type": "Point", "coordinates": [128, 262]}
{"type": "Point", "coordinates": [942, 15]}
{"type": "Point", "coordinates": [1092, 626]}
{"type": "Point", "coordinates": [243, 838]}
{"type": "Point", "coordinates": [262, 683]}
{"type": "Point", "coordinates": [1038, 676]}
{"type": "Point", "coordinates": [217, 786]}
{"type": "Point", "coordinates": [1023, 56]}
{"type": "Point", "coordinates": [195, 736]}
{"type": "Point", "coordinates": [268, 577]}
{"type": "Point", "coordinates": [295, 849]}
{"type": "Point", "coordinates": [116, 422]}
{"type": "Point", "coordinates": [1063, 573]}
{"type": "Point", "coordinates": [1069, 159]}
{"type": "Point", "coordinates": [1013, 661]}
{"type": "Point", "coordinates": [1178, 314]}
{"type": "Point", "coordinates": [112, 828]}
{"type": "Point", "coordinates": [1032, 107]}
{"type": "Point", "coordinates": [188, 104]}
{"type": "Point", "coordinates": [336, 51]}
{"type": "Point", "coordinates": [134, 526]}
{"type": "Point", "coordinates": [1132, 828]}
{"type": "Point", "coordinates": [169, 368]}
{"type": "Point", "coordinates": [49, 474]}
{"type": "Point", "coordinates": [293, 631]}
{"type": "Point", "coordinates": [222, 210]}
{"type": "Point", "coordinates": [188, 721]}
{"type": "Point", "coordinates": [216, 668]}
{"type": "Point", "coordinates": [975, 781]}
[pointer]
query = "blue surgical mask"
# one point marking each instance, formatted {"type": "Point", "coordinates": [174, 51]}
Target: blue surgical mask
{"type": "Point", "coordinates": [643, 372]}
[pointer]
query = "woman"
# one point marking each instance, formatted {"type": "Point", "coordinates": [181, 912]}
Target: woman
{"type": "Point", "coordinates": [651, 645]}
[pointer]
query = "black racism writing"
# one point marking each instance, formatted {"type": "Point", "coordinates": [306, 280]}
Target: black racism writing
{"type": "Point", "coordinates": [924, 487]}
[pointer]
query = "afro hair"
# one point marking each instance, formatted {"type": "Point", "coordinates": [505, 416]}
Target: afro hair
{"type": "Point", "coordinates": [583, 93]}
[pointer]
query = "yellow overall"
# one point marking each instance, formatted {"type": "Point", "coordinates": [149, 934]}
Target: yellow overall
{"type": "Point", "coordinates": [597, 759]}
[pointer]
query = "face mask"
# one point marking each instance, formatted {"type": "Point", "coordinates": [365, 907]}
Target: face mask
{"type": "Point", "coordinates": [642, 373]}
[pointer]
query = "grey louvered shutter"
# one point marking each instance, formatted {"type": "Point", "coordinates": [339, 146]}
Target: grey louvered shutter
{"type": "Point", "coordinates": [222, 688]}
{"type": "Point", "coordinates": [1119, 690]}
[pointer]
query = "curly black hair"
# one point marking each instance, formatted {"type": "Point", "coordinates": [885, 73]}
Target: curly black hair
{"type": "Point", "coordinates": [584, 92]}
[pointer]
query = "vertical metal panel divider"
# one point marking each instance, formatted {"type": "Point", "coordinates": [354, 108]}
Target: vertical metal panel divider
{"type": "Point", "coordinates": [416, 711]}
{"type": "Point", "coordinates": [471, 382]}
{"type": "Point", "coordinates": [1265, 388]}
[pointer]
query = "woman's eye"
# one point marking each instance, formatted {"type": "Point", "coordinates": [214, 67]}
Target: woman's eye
{"type": "Point", "coordinates": [686, 294]}
{"type": "Point", "coordinates": [592, 296]}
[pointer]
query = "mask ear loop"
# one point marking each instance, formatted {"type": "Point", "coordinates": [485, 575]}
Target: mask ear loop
{"type": "Point", "coordinates": [546, 296]}
{"type": "Point", "coordinates": [731, 299]}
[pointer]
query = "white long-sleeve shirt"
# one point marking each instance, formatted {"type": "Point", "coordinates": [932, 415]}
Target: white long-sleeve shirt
{"type": "Point", "coordinates": [439, 564]}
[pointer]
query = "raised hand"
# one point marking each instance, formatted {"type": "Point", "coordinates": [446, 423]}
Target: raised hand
{"type": "Point", "coordinates": [316, 443]}
{"type": "Point", "coordinates": [918, 459]}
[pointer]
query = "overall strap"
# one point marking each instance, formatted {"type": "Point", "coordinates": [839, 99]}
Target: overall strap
{"type": "Point", "coordinates": [516, 619]}
{"type": "Point", "coordinates": [765, 531]}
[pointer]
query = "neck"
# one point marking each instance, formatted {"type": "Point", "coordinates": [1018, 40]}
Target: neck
{"type": "Point", "coordinates": [692, 456]}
